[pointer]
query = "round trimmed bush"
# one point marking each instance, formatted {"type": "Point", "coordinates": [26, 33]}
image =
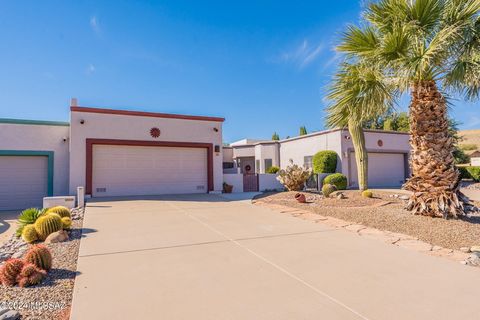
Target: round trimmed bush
{"type": "Point", "coordinates": [338, 180]}
{"type": "Point", "coordinates": [367, 194]}
{"type": "Point", "coordinates": [324, 162]}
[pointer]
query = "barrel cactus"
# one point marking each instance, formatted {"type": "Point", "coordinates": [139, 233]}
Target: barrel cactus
{"type": "Point", "coordinates": [47, 224]}
{"type": "Point", "coordinates": [10, 271]}
{"type": "Point", "coordinates": [30, 275]}
{"type": "Point", "coordinates": [66, 223]}
{"type": "Point", "coordinates": [62, 211]}
{"type": "Point", "coordinates": [40, 256]}
{"type": "Point", "coordinates": [29, 234]}
{"type": "Point", "coordinates": [328, 189]}
{"type": "Point", "coordinates": [367, 194]}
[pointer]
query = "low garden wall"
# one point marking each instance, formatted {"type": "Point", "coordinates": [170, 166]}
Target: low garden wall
{"type": "Point", "coordinates": [266, 182]}
{"type": "Point", "coordinates": [234, 179]}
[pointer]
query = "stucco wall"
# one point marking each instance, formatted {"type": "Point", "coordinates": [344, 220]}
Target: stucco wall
{"type": "Point", "coordinates": [37, 137]}
{"type": "Point", "coordinates": [128, 127]}
{"type": "Point", "coordinates": [243, 151]}
{"type": "Point", "coordinates": [235, 180]}
{"type": "Point", "coordinates": [267, 151]}
{"type": "Point", "coordinates": [475, 161]}
{"type": "Point", "coordinates": [269, 182]}
{"type": "Point", "coordinates": [297, 148]}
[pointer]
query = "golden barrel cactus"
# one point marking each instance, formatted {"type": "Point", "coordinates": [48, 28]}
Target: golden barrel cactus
{"type": "Point", "coordinates": [62, 211]}
{"type": "Point", "coordinates": [47, 224]}
{"type": "Point", "coordinates": [66, 223]}
{"type": "Point", "coordinates": [29, 234]}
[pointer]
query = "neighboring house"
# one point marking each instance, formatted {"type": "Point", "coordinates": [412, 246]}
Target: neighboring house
{"type": "Point", "coordinates": [110, 153]}
{"type": "Point", "coordinates": [388, 154]}
{"type": "Point", "coordinates": [475, 158]}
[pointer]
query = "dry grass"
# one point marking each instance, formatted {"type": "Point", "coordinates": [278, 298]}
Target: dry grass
{"type": "Point", "coordinates": [470, 137]}
{"type": "Point", "coordinates": [376, 213]}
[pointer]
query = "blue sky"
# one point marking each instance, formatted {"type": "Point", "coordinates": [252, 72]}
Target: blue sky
{"type": "Point", "coordinates": [263, 65]}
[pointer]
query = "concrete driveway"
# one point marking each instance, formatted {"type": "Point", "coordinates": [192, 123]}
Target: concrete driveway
{"type": "Point", "coordinates": [206, 257]}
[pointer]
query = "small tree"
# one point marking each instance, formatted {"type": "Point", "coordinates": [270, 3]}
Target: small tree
{"type": "Point", "coordinates": [294, 176]}
{"type": "Point", "coordinates": [303, 130]}
{"type": "Point", "coordinates": [325, 162]}
{"type": "Point", "coordinates": [275, 136]}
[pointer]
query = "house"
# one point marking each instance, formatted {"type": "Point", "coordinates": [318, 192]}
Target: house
{"type": "Point", "coordinates": [387, 154]}
{"type": "Point", "coordinates": [475, 158]}
{"type": "Point", "coordinates": [110, 153]}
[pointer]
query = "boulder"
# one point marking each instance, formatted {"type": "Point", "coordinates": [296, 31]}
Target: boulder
{"type": "Point", "coordinates": [340, 195]}
{"type": "Point", "coordinates": [6, 314]}
{"type": "Point", "coordinates": [404, 197]}
{"type": "Point", "coordinates": [59, 236]}
{"type": "Point", "coordinates": [475, 249]}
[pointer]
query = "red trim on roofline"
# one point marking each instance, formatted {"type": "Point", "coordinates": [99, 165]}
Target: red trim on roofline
{"type": "Point", "coordinates": [145, 114]}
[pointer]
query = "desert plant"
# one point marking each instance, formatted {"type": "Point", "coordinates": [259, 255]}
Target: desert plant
{"type": "Point", "coordinates": [10, 271]}
{"type": "Point", "coordinates": [273, 169]}
{"type": "Point", "coordinates": [275, 136]}
{"type": "Point", "coordinates": [324, 162]}
{"type": "Point", "coordinates": [66, 223]}
{"type": "Point", "coordinates": [40, 256]}
{"type": "Point", "coordinates": [60, 210]}
{"type": "Point", "coordinates": [474, 173]}
{"type": "Point", "coordinates": [328, 189]}
{"type": "Point", "coordinates": [48, 224]}
{"type": "Point", "coordinates": [367, 194]}
{"type": "Point", "coordinates": [30, 275]}
{"type": "Point", "coordinates": [29, 234]}
{"type": "Point", "coordinates": [294, 176]}
{"type": "Point", "coordinates": [303, 130]}
{"type": "Point", "coordinates": [28, 216]}
{"type": "Point", "coordinates": [338, 180]}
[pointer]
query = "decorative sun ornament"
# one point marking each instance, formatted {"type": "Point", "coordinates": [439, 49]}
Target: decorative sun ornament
{"type": "Point", "coordinates": [155, 132]}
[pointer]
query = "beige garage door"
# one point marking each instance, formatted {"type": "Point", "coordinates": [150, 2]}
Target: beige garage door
{"type": "Point", "coordinates": [131, 170]}
{"type": "Point", "coordinates": [384, 170]}
{"type": "Point", "coordinates": [23, 181]}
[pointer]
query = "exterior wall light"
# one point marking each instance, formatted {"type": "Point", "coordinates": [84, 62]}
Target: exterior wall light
{"type": "Point", "coordinates": [215, 129]}
{"type": "Point", "coordinates": [82, 121]}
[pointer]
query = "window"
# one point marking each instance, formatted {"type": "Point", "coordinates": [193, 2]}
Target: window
{"type": "Point", "coordinates": [257, 166]}
{"type": "Point", "coordinates": [268, 164]}
{"type": "Point", "coordinates": [227, 165]}
{"type": "Point", "coordinates": [307, 162]}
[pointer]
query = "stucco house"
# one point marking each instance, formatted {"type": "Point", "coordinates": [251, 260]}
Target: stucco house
{"type": "Point", "coordinates": [110, 153]}
{"type": "Point", "coordinates": [475, 158]}
{"type": "Point", "coordinates": [387, 153]}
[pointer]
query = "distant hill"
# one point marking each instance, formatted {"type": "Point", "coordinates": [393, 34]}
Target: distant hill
{"type": "Point", "coordinates": [471, 140]}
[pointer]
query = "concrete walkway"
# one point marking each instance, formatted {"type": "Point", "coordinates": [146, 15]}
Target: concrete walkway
{"type": "Point", "coordinates": [206, 257]}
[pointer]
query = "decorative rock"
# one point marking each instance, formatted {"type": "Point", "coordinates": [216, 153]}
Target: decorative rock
{"type": "Point", "coordinates": [6, 314]}
{"type": "Point", "coordinates": [404, 197]}
{"type": "Point", "coordinates": [340, 195]}
{"type": "Point", "coordinates": [59, 236]}
{"type": "Point", "coordinates": [384, 236]}
{"type": "Point", "coordinates": [475, 249]}
{"type": "Point", "coordinates": [474, 259]}
{"type": "Point", "coordinates": [465, 249]}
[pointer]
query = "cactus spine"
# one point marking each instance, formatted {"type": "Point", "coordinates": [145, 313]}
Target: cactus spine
{"type": "Point", "coordinates": [30, 275]}
{"type": "Point", "coordinates": [62, 211]}
{"type": "Point", "coordinates": [29, 234]}
{"type": "Point", "coordinates": [10, 271]}
{"type": "Point", "coordinates": [40, 256]}
{"type": "Point", "coordinates": [48, 224]}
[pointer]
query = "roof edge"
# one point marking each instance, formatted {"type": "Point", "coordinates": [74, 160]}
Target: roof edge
{"type": "Point", "coordinates": [35, 122]}
{"type": "Point", "coordinates": [144, 114]}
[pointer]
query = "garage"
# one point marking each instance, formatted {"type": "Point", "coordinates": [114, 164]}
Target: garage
{"type": "Point", "coordinates": [24, 181]}
{"type": "Point", "coordinates": [384, 169]}
{"type": "Point", "coordinates": [122, 170]}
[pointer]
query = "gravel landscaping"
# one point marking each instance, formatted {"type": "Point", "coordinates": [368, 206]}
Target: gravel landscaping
{"type": "Point", "coordinates": [386, 212]}
{"type": "Point", "coordinates": [52, 298]}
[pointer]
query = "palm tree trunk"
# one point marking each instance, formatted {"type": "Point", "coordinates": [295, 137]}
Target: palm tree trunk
{"type": "Point", "coordinates": [361, 155]}
{"type": "Point", "coordinates": [435, 179]}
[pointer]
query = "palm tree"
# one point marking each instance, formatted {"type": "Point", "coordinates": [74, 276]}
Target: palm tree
{"type": "Point", "coordinates": [427, 48]}
{"type": "Point", "coordinates": [358, 93]}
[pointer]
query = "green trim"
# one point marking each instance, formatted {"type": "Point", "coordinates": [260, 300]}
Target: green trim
{"type": "Point", "coordinates": [35, 122]}
{"type": "Point", "coordinates": [33, 153]}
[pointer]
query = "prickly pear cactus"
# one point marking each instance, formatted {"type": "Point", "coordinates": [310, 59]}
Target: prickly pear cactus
{"type": "Point", "coordinates": [47, 224]}
{"type": "Point", "coordinates": [40, 256]}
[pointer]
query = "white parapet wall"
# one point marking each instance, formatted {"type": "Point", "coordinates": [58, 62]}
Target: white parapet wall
{"type": "Point", "coordinates": [268, 182]}
{"type": "Point", "coordinates": [234, 179]}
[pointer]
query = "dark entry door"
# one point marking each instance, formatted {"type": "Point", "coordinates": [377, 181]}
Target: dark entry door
{"type": "Point", "coordinates": [250, 182]}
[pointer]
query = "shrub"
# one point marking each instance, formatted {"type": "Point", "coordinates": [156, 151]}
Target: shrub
{"type": "Point", "coordinates": [324, 162]}
{"type": "Point", "coordinates": [29, 234]}
{"type": "Point", "coordinates": [328, 189]}
{"type": "Point", "coordinates": [474, 173]}
{"type": "Point", "coordinates": [273, 169]}
{"type": "Point", "coordinates": [10, 271]}
{"type": "Point", "coordinates": [48, 224]}
{"type": "Point", "coordinates": [66, 223]}
{"type": "Point", "coordinates": [338, 180]}
{"type": "Point", "coordinates": [293, 177]}
{"type": "Point", "coordinates": [468, 146]}
{"type": "Point", "coordinates": [464, 174]}
{"type": "Point", "coordinates": [30, 275]}
{"type": "Point", "coordinates": [367, 194]}
{"type": "Point", "coordinates": [62, 211]}
{"type": "Point", "coordinates": [40, 256]}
